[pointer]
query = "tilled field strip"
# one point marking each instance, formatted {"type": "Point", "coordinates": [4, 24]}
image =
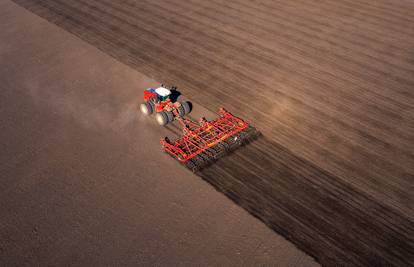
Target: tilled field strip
{"type": "Point", "coordinates": [312, 207]}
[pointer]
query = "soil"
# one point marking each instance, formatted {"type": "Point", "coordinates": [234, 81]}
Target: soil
{"type": "Point", "coordinates": [83, 180]}
{"type": "Point", "coordinates": [328, 83]}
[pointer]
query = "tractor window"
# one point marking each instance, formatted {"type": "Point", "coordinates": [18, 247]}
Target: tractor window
{"type": "Point", "coordinates": [163, 98]}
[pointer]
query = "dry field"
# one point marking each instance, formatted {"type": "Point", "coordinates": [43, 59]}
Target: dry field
{"type": "Point", "coordinates": [329, 84]}
{"type": "Point", "coordinates": [83, 181]}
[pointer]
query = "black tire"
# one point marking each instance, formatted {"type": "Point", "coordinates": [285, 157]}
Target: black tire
{"type": "Point", "coordinates": [186, 106]}
{"type": "Point", "coordinates": [170, 116]}
{"type": "Point", "coordinates": [146, 108]}
{"type": "Point", "coordinates": [181, 111]}
{"type": "Point", "coordinates": [162, 118]}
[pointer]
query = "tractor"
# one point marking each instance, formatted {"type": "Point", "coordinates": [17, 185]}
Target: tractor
{"type": "Point", "coordinates": [162, 101]}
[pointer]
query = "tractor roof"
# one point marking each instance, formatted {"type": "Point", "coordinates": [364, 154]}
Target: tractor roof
{"type": "Point", "coordinates": [163, 91]}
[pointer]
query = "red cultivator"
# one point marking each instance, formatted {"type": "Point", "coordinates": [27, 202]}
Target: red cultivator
{"type": "Point", "coordinates": [205, 141]}
{"type": "Point", "coordinates": [202, 142]}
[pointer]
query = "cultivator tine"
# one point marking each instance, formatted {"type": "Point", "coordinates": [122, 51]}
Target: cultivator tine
{"type": "Point", "coordinates": [190, 164]}
{"type": "Point", "coordinates": [206, 155]}
{"type": "Point", "coordinates": [200, 161]}
{"type": "Point", "coordinates": [221, 149]}
{"type": "Point", "coordinates": [205, 141]}
{"type": "Point", "coordinates": [248, 135]}
{"type": "Point", "coordinates": [213, 153]}
{"type": "Point", "coordinates": [242, 138]}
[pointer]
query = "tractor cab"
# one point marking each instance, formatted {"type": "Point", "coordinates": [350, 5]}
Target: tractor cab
{"type": "Point", "coordinates": [163, 94]}
{"type": "Point", "coordinates": [160, 94]}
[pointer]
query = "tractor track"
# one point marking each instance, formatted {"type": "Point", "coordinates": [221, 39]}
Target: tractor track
{"type": "Point", "coordinates": [329, 84]}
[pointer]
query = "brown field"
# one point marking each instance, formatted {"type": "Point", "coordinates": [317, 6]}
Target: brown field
{"type": "Point", "coordinates": [329, 84]}
{"type": "Point", "coordinates": [83, 179]}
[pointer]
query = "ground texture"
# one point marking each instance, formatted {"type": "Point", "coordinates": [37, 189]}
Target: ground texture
{"type": "Point", "coordinates": [83, 181]}
{"type": "Point", "coordinates": [329, 84]}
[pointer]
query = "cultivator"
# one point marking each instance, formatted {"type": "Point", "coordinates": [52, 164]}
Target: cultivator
{"type": "Point", "coordinates": [202, 142]}
{"type": "Point", "coordinates": [205, 141]}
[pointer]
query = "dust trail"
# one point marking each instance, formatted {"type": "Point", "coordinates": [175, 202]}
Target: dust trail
{"type": "Point", "coordinates": [323, 215]}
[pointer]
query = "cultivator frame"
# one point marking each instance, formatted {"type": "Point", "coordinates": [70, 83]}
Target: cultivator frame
{"type": "Point", "coordinates": [205, 141]}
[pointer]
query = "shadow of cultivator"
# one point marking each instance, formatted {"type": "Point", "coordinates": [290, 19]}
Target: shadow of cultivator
{"type": "Point", "coordinates": [202, 142]}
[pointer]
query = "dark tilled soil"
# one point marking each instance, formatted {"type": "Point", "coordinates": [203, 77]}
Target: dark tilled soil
{"type": "Point", "coordinates": [330, 85]}
{"type": "Point", "coordinates": [324, 216]}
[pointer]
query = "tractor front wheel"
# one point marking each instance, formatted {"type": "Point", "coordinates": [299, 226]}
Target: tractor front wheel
{"type": "Point", "coordinates": [146, 108]}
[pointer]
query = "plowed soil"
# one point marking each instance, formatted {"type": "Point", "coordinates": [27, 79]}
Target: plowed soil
{"type": "Point", "coordinates": [329, 84]}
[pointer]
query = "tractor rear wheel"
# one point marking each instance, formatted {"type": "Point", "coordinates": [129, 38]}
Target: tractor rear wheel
{"type": "Point", "coordinates": [164, 117]}
{"type": "Point", "coordinates": [181, 110]}
{"type": "Point", "coordinates": [170, 116]}
{"type": "Point", "coordinates": [186, 106]}
{"type": "Point", "coordinates": [161, 118]}
{"type": "Point", "coordinates": [146, 108]}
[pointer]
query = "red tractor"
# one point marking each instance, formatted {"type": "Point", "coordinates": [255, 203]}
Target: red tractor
{"type": "Point", "coordinates": [203, 141]}
{"type": "Point", "coordinates": [159, 101]}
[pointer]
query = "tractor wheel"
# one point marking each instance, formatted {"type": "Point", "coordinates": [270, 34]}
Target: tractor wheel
{"type": "Point", "coordinates": [146, 108]}
{"type": "Point", "coordinates": [186, 106]}
{"type": "Point", "coordinates": [181, 110]}
{"type": "Point", "coordinates": [162, 118]}
{"type": "Point", "coordinates": [170, 116]}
